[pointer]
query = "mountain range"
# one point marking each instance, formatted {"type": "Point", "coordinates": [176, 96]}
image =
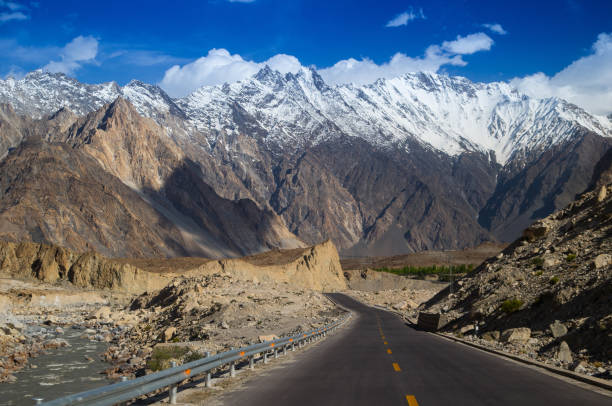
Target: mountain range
{"type": "Point", "coordinates": [422, 161]}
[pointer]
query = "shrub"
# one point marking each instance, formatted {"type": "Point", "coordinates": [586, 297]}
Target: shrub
{"type": "Point", "coordinates": [570, 257]}
{"type": "Point", "coordinates": [511, 305]}
{"type": "Point", "coordinates": [538, 262]}
{"type": "Point", "coordinates": [194, 356]}
{"type": "Point", "coordinates": [161, 356]}
{"type": "Point", "coordinates": [554, 280]}
{"type": "Point", "coordinates": [539, 273]}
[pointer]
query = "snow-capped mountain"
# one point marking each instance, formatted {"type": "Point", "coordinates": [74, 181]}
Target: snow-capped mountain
{"type": "Point", "coordinates": [416, 162]}
{"type": "Point", "coordinates": [449, 114]}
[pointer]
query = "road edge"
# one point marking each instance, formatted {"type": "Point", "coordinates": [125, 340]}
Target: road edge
{"type": "Point", "coordinates": [600, 383]}
{"type": "Point", "coordinates": [597, 382]}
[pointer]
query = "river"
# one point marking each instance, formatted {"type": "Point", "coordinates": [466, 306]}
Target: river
{"type": "Point", "coordinates": [58, 372]}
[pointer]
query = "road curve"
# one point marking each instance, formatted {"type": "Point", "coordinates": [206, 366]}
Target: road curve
{"type": "Point", "coordinates": [378, 360]}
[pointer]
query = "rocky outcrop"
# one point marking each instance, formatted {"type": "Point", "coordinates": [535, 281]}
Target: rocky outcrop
{"type": "Point", "coordinates": [316, 268]}
{"type": "Point", "coordinates": [86, 270]}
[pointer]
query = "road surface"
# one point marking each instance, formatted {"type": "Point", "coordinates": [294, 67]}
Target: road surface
{"type": "Point", "coordinates": [378, 360]}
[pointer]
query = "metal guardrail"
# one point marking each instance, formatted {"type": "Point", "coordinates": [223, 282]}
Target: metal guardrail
{"type": "Point", "coordinates": [170, 378]}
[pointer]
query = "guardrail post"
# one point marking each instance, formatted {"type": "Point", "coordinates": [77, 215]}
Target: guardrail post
{"type": "Point", "coordinates": [275, 353]}
{"type": "Point", "coordinates": [292, 346]}
{"type": "Point", "coordinates": [284, 350]}
{"type": "Point", "coordinates": [265, 356]}
{"type": "Point", "coordinates": [208, 382]}
{"type": "Point", "coordinates": [252, 362]}
{"type": "Point", "coordinates": [232, 366]}
{"type": "Point", "coordinates": [172, 391]}
{"type": "Point", "coordinates": [38, 401]}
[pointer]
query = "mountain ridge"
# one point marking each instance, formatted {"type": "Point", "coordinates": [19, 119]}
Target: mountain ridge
{"type": "Point", "coordinates": [362, 165]}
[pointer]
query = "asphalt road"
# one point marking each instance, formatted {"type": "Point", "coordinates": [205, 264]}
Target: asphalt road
{"type": "Point", "coordinates": [378, 360]}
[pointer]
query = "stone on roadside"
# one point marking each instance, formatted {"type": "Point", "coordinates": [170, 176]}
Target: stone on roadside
{"type": "Point", "coordinates": [579, 367]}
{"type": "Point", "coordinates": [491, 336]}
{"type": "Point", "coordinates": [169, 333]}
{"type": "Point", "coordinates": [268, 337]}
{"type": "Point", "coordinates": [558, 329]}
{"type": "Point", "coordinates": [518, 335]}
{"type": "Point", "coordinates": [564, 354]}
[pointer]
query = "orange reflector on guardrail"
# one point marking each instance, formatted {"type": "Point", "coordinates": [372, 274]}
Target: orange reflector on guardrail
{"type": "Point", "coordinates": [291, 340]}
{"type": "Point", "coordinates": [187, 371]}
{"type": "Point", "coordinates": [242, 353]}
{"type": "Point", "coordinates": [271, 344]}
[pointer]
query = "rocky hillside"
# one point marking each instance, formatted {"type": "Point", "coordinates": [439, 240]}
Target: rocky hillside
{"type": "Point", "coordinates": [422, 161]}
{"type": "Point", "coordinates": [550, 292]}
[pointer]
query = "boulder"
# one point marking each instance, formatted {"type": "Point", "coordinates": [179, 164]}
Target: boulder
{"type": "Point", "coordinates": [564, 354]}
{"type": "Point", "coordinates": [169, 333]}
{"type": "Point", "coordinates": [103, 313]}
{"type": "Point", "coordinates": [579, 367]}
{"type": "Point", "coordinates": [558, 329]}
{"type": "Point", "coordinates": [551, 262]}
{"type": "Point", "coordinates": [518, 335]}
{"type": "Point", "coordinates": [268, 337]}
{"type": "Point", "coordinates": [601, 196]}
{"type": "Point", "coordinates": [466, 329]}
{"type": "Point", "coordinates": [602, 260]}
{"type": "Point", "coordinates": [491, 336]}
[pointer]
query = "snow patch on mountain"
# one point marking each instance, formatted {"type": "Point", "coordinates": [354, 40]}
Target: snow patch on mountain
{"type": "Point", "coordinates": [449, 114]}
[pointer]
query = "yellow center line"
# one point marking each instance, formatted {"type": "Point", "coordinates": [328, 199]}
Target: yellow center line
{"type": "Point", "coordinates": [386, 343]}
{"type": "Point", "coordinates": [396, 367]}
{"type": "Point", "coordinates": [411, 400]}
{"type": "Point", "coordinates": [388, 350]}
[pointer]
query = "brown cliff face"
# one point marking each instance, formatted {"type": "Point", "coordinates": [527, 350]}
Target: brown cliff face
{"type": "Point", "coordinates": [57, 194]}
{"type": "Point", "coordinates": [115, 182]}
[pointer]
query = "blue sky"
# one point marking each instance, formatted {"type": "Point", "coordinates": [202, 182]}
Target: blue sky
{"type": "Point", "coordinates": [133, 39]}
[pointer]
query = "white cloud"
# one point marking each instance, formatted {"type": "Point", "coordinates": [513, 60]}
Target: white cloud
{"type": "Point", "coordinates": [11, 5]}
{"type": "Point", "coordinates": [17, 16]}
{"type": "Point", "coordinates": [469, 44]}
{"type": "Point", "coordinates": [586, 82]}
{"type": "Point", "coordinates": [219, 66]}
{"type": "Point", "coordinates": [12, 12]}
{"type": "Point", "coordinates": [496, 28]}
{"type": "Point", "coordinates": [405, 17]}
{"type": "Point", "coordinates": [77, 52]}
{"type": "Point", "coordinates": [366, 71]}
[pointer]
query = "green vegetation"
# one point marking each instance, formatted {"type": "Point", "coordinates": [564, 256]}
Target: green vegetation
{"type": "Point", "coordinates": [537, 262]}
{"type": "Point", "coordinates": [193, 356]}
{"type": "Point", "coordinates": [161, 356]}
{"type": "Point", "coordinates": [422, 271]}
{"type": "Point", "coordinates": [570, 257]}
{"type": "Point", "coordinates": [511, 305]}
{"type": "Point", "coordinates": [539, 273]}
{"type": "Point", "coordinates": [554, 280]}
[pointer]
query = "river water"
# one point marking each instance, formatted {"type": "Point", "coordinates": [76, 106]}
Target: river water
{"type": "Point", "coordinates": [59, 372]}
